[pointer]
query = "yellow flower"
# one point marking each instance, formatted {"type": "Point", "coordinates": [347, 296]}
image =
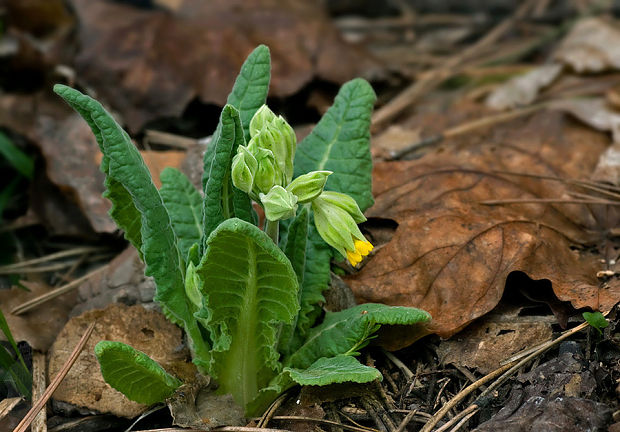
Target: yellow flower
{"type": "Point", "coordinates": [336, 216]}
{"type": "Point", "coordinates": [362, 249]}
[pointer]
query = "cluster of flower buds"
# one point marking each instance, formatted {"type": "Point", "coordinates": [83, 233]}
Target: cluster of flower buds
{"type": "Point", "coordinates": [264, 170]}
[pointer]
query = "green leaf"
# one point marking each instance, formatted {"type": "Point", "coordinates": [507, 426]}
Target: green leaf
{"type": "Point", "coordinates": [340, 143]}
{"type": "Point", "coordinates": [297, 237]}
{"type": "Point", "coordinates": [295, 251]}
{"type": "Point", "coordinates": [17, 369]}
{"type": "Point", "coordinates": [184, 205]}
{"type": "Point", "coordinates": [123, 212]}
{"type": "Point", "coordinates": [251, 87]}
{"type": "Point", "coordinates": [347, 331]}
{"type": "Point", "coordinates": [222, 200]}
{"type": "Point", "coordinates": [134, 373]}
{"type": "Point", "coordinates": [139, 210]}
{"type": "Point", "coordinates": [596, 320]}
{"type": "Point", "coordinates": [316, 279]}
{"type": "Point", "coordinates": [18, 159]}
{"type": "Point", "coordinates": [250, 290]}
{"type": "Point", "coordinates": [333, 370]}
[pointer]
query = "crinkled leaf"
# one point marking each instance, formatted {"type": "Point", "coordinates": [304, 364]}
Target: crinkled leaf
{"type": "Point", "coordinates": [222, 200]}
{"type": "Point", "coordinates": [347, 331]}
{"type": "Point", "coordinates": [184, 205]}
{"type": "Point", "coordinates": [250, 290]}
{"type": "Point", "coordinates": [134, 373]}
{"type": "Point", "coordinates": [340, 143]}
{"type": "Point", "coordinates": [135, 198]}
{"type": "Point", "coordinates": [333, 370]}
{"type": "Point", "coordinates": [252, 85]}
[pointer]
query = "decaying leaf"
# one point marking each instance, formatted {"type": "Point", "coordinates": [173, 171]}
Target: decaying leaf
{"type": "Point", "coordinates": [492, 339]}
{"type": "Point", "coordinates": [132, 56]}
{"type": "Point", "coordinates": [593, 45]}
{"type": "Point", "coordinates": [36, 327]}
{"type": "Point", "coordinates": [451, 254]}
{"type": "Point", "coordinates": [523, 90]}
{"type": "Point", "coordinates": [147, 331]}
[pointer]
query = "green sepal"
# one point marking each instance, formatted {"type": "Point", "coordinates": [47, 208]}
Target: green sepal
{"type": "Point", "coordinates": [134, 373]}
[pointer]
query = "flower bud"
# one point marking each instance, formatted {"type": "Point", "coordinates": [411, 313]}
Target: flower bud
{"type": "Point", "coordinates": [279, 204]}
{"type": "Point", "coordinates": [268, 174]}
{"type": "Point", "coordinates": [290, 143]}
{"type": "Point", "coordinates": [244, 167]}
{"type": "Point", "coordinates": [262, 117]}
{"type": "Point", "coordinates": [346, 203]}
{"type": "Point", "coordinates": [308, 186]}
{"type": "Point", "coordinates": [337, 226]}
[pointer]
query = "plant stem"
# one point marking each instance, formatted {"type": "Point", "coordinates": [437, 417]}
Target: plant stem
{"type": "Point", "coordinates": [272, 229]}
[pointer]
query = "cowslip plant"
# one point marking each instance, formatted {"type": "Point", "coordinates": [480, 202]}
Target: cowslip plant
{"type": "Point", "coordinates": [249, 299]}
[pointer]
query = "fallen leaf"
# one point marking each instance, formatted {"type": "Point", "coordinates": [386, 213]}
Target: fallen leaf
{"type": "Point", "coordinates": [40, 326]}
{"type": "Point", "coordinates": [146, 330]}
{"type": "Point", "coordinates": [552, 415]}
{"type": "Point", "coordinates": [594, 112]}
{"type": "Point", "coordinates": [450, 254]}
{"type": "Point", "coordinates": [524, 89]}
{"type": "Point", "coordinates": [484, 344]}
{"type": "Point", "coordinates": [149, 63]}
{"type": "Point", "coordinates": [593, 45]}
{"type": "Point", "coordinates": [123, 281]}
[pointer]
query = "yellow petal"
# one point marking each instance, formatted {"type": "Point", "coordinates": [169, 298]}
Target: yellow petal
{"type": "Point", "coordinates": [354, 258]}
{"type": "Point", "coordinates": [363, 247]}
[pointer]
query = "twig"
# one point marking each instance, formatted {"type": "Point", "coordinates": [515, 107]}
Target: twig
{"type": "Point", "coordinates": [38, 389]}
{"type": "Point", "coordinates": [465, 420]}
{"type": "Point", "coordinates": [39, 300]}
{"type": "Point", "coordinates": [52, 257]}
{"type": "Point", "coordinates": [467, 127]}
{"type": "Point", "coordinates": [549, 201]}
{"type": "Point", "coordinates": [403, 424]}
{"type": "Point", "coordinates": [323, 421]}
{"type": "Point", "coordinates": [23, 425]}
{"type": "Point", "coordinates": [271, 411]}
{"type": "Point", "coordinates": [450, 67]}
{"type": "Point", "coordinates": [399, 364]}
{"type": "Point", "coordinates": [460, 396]}
{"type": "Point", "coordinates": [472, 409]}
{"type": "Point", "coordinates": [50, 267]}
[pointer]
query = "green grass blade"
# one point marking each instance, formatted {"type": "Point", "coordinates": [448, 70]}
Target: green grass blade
{"type": "Point", "coordinates": [17, 158]}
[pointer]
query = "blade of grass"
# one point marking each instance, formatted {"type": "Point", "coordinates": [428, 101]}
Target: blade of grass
{"type": "Point", "coordinates": [18, 159]}
{"type": "Point", "coordinates": [4, 326]}
{"type": "Point", "coordinates": [20, 377]}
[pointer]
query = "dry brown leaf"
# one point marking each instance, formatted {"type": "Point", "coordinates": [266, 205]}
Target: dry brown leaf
{"type": "Point", "coordinates": [146, 330]}
{"type": "Point", "coordinates": [593, 45]}
{"type": "Point", "coordinates": [450, 255]}
{"type": "Point", "coordinates": [523, 89]}
{"type": "Point", "coordinates": [40, 326]}
{"type": "Point", "coordinates": [151, 63]}
{"type": "Point", "coordinates": [486, 343]}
